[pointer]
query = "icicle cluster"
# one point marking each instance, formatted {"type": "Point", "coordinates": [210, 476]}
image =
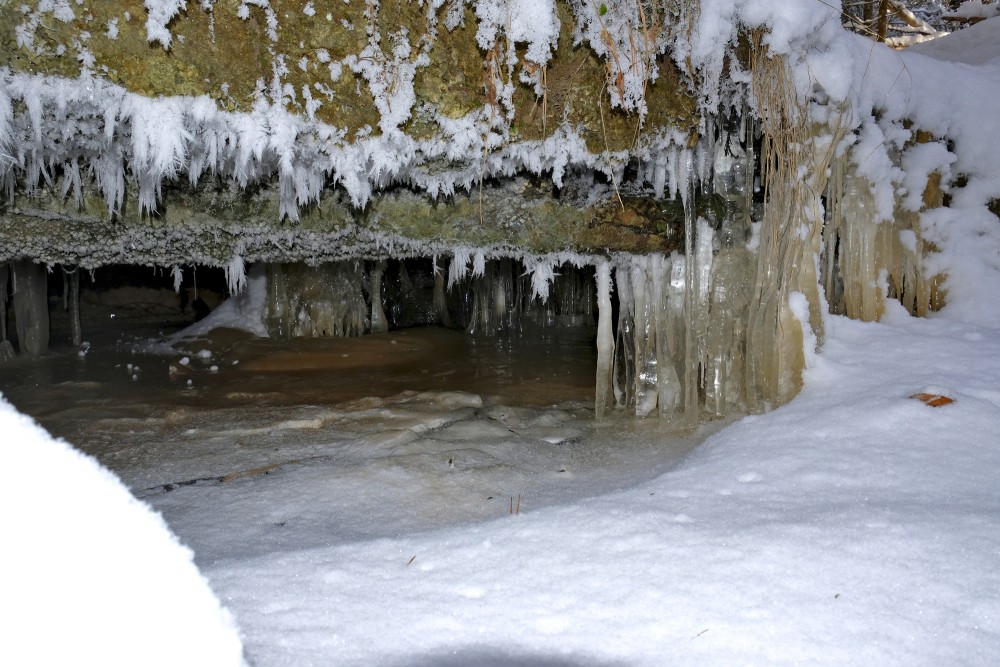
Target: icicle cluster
{"type": "Point", "coordinates": [68, 133]}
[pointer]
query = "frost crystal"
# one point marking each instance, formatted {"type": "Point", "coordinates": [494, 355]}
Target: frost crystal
{"type": "Point", "coordinates": [160, 13]}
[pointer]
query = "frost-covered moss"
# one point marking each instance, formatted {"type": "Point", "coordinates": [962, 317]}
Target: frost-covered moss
{"type": "Point", "coordinates": [233, 60]}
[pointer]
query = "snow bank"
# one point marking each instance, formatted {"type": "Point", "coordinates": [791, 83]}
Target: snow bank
{"type": "Point", "coordinates": [949, 88]}
{"type": "Point", "coordinates": [90, 575]}
{"type": "Point", "coordinates": [852, 526]}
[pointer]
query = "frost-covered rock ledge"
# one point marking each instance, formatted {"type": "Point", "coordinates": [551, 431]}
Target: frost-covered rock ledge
{"type": "Point", "coordinates": [316, 114]}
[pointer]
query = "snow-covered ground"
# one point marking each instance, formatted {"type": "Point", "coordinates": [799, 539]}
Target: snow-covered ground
{"type": "Point", "coordinates": [855, 525]}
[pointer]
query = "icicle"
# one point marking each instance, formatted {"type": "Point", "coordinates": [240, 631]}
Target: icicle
{"type": "Point", "coordinates": [542, 274]}
{"type": "Point", "coordinates": [478, 264]}
{"type": "Point", "coordinates": [604, 395]}
{"type": "Point", "coordinates": [673, 165]}
{"type": "Point", "coordinates": [659, 176]}
{"type": "Point", "coordinates": [236, 275]}
{"type": "Point", "coordinates": [178, 275]}
{"type": "Point", "coordinates": [624, 367]}
{"type": "Point", "coordinates": [459, 266]}
{"type": "Point", "coordinates": [645, 340]}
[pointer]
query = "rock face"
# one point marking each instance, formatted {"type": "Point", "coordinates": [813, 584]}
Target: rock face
{"type": "Point", "coordinates": [348, 119]}
{"type": "Point", "coordinates": [356, 65]}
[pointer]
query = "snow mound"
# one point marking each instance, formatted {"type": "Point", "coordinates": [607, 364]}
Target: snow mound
{"type": "Point", "coordinates": [91, 575]}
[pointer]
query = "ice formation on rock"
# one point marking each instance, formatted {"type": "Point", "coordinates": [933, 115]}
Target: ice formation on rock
{"type": "Point", "coordinates": [787, 173]}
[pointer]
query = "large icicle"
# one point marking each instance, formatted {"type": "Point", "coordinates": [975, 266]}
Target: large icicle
{"type": "Point", "coordinates": [645, 338]}
{"type": "Point", "coordinates": [604, 393]}
{"type": "Point", "coordinates": [795, 158]}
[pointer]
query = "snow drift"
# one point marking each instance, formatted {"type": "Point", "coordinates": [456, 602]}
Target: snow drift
{"type": "Point", "coordinates": [90, 574]}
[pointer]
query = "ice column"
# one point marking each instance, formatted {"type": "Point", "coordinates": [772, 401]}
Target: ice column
{"type": "Point", "coordinates": [314, 301]}
{"type": "Point", "coordinates": [668, 387]}
{"type": "Point", "coordinates": [6, 349]}
{"type": "Point", "coordinates": [378, 322]}
{"type": "Point", "coordinates": [31, 307]}
{"type": "Point", "coordinates": [729, 300]}
{"type": "Point", "coordinates": [858, 267]}
{"type": "Point", "coordinates": [857, 248]}
{"type": "Point", "coordinates": [492, 292]}
{"type": "Point", "coordinates": [691, 291]}
{"type": "Point", "coordinates": [644, 339]}
{"type": "Point", "coordinates": [73, 287]}
{"type": "Point", "coordinates": [624, 367]}
{"type": "Point", "coordinates": [276, 317]}
{"type": "Point", "coordinates": [4, 288]}
{"type": "Point", "coordinates": [440, 297]}
{"type": "Point", "coordinates": [604, 396]}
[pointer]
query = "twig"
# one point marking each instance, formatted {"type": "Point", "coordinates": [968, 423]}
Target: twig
{"type": "Point", "coordinates": [607, 148]}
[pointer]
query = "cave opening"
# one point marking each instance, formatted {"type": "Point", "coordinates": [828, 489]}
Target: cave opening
{"type": "Point", "coordinates": [322, 334]}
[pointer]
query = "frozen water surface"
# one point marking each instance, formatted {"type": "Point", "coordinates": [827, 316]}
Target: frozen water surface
{"type": "Point", "coordinates": [283, 446]}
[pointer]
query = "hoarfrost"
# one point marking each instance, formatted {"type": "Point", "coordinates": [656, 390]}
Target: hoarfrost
{"type": "Point", "coordinates": [159, 14]}
{"type": "Point", "coordinates": [236, 275]}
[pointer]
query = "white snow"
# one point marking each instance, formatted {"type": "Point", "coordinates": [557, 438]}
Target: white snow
{"type": "Point", "coordinates": [975, 45]}
{"type": "Point", "coordinates": [90, 575]}
{"type": "Point", "coordinates": [976, 9]}
{"type": "Point", "coordinates": [855, 525]}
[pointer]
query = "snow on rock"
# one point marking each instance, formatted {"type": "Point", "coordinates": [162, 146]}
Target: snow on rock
{"type": "Point", "coordinates": [976, 9]}
{"type": "Point", "coordinates": [91, 575]}
{"type": "Point", "coordinates": [534, 22]}
{"type": "Point", "coordinates": [949, 88]}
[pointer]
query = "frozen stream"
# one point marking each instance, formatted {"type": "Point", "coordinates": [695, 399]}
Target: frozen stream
{"type": "Point", "coordinates": [250, 447]}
